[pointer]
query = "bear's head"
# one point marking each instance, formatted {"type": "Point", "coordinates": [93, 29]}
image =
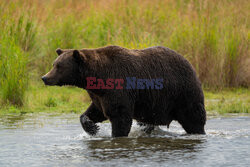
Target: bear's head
{"type": "Point", "coordinates": [67, 69]}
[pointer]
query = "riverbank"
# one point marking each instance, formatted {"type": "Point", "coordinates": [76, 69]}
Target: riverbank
{"type": "Point", "coordinates": [40, 98]}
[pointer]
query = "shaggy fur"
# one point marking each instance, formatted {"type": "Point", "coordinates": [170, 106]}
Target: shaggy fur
{"type": "Point", "coordinates": [180, 99]}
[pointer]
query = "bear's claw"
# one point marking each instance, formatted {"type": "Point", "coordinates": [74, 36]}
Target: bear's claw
{"type": "Point", "coordinates": [89, 126]}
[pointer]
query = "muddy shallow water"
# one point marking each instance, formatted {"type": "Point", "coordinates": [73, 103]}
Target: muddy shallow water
{"type": "Point", "coordinates": [58, 140]}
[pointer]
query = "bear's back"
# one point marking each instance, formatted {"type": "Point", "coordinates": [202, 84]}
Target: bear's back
{"type": "Point", "coordinates": [153, 62]}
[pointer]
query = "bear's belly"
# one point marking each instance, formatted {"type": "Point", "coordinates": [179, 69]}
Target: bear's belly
{"type": "Point", "coordinates": [155, 116]}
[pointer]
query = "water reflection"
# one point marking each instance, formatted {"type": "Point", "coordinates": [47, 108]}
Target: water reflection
{"type": "Point", "coordinates": [11, 120]}
{"type": "Point", "coordinates": [142, 147]}
{"type": "Point", "coordinates": [34, 120]}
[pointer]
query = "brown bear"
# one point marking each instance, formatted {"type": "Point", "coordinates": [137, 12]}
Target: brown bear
{"type": "Point", "coordinates": [153, 86]}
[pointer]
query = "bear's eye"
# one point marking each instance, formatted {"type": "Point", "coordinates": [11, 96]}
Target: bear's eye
{"type": "Point", "coordinates": [58, 66]}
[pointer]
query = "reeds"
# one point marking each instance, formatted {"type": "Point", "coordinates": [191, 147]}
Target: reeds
{"type": "Point", "coordinates": [16, 42]}
{"type": "Point", "coordinates": [212, 35]}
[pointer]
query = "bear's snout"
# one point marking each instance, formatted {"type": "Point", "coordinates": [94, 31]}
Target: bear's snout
{"type": "Point", "coordinates": [44, 78]}
{"type": "Point", "coordinates": [50, 81]}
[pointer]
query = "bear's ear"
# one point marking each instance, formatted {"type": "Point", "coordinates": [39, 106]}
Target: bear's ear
{"type": "Point", "coordinates": [77, 56]}
{"type": "Point", "coordinates": [59, 51]}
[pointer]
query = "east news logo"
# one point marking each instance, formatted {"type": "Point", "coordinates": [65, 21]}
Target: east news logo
{"type": "Point", "coordinates": [131, 83]}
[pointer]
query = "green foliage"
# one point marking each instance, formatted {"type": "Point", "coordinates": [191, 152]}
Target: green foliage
{"type": "Point", "coordinates": [212, 35]}
{"type": "Point", "coordinates": [13, 72]}
{"type": "Point", "coordinates": [51, 102]}
{"type": "Point", "coordinates": [228, 101]}
{"type": "Point", "coordinates": [23, 32]}
{"type": "Point", "coordinates": [61, 35]}
{"type": "Point", "coordinates": [16, 42]}
{"type": "Point", "coordinates": [232, 58]}
{"type": "Point", "coordinates": [66, 99]}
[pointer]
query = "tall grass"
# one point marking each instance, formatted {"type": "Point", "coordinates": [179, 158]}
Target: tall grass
{"type": "Point", "coordinates": [13, 72]}
{"type": "Point", "coordinates": [17, 40]}
{"type": "Point", "coordinates": [213, 35]}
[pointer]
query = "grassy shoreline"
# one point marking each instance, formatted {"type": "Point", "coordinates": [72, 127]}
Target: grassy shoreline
{"type": "Point", "coordinates": [40, 98]}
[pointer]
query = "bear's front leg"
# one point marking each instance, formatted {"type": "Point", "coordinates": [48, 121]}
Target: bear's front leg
{"type": "Point", "coordinates": [121, 125]}
{"type": "Point", "coordinates": [90, 118]}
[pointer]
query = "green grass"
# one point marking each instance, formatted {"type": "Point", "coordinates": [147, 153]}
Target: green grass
{"type": "Point", "coordinates": [213, 35]}
{"type": "Point", "coordinates": [40, 98]}
{"type": "Point", "coordinates": [65, 99]}
{"type": "Point", "coordinates": [13, 72]}
{"type": "Point", "coordinates": [16, 42]}
{"type": "Point", "coordinates": [228, 101]}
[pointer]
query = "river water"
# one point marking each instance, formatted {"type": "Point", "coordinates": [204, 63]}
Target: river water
{"type": "Point", "coordinates": [58, 140]}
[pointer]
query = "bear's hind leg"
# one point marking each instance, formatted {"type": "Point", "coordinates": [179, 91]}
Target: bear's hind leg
{"type": "Point", "coordinates": [193, 118]}
{"type": "Point", "coordinates": [89, 119]}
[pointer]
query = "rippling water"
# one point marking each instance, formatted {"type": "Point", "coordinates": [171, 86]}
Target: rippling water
{"type": "Point", "coordinates": [58, 140]}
